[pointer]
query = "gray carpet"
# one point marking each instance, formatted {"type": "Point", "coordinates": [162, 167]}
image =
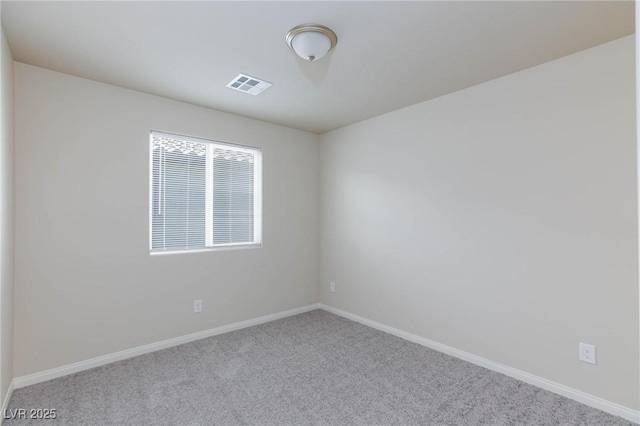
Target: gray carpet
{"type": "Point", "coordinates": [311, 369]}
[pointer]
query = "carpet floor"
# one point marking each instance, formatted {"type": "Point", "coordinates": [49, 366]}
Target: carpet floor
{"type": "Point", "coordinates": [310, 369]}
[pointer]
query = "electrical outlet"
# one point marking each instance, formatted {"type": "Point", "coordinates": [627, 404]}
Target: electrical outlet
{"type": "Point", "coordinates": [587, 353]}
{"type": "Point", "coordinates": [197, 306]}
{"type": "Point", "coordinates": [332, 287]}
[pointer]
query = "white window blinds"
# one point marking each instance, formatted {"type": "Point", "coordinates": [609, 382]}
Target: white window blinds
{"type": "Point", "coordinates": [204, 194]}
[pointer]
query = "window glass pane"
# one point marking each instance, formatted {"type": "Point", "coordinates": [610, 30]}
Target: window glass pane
{"type": "Point", "coordinates": [178, 200]}
{"type": "Point", "coordinates": [233, 208]}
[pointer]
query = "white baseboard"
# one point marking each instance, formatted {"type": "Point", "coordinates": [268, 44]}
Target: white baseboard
{"type": "Point", "coordinates": [7, 398]}
{"type": "Point", "coordinates": [43, 376]}
{"type": "Point", "coordinates": [575, 394]}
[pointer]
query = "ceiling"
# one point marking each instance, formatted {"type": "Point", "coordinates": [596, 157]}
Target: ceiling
{"type": "Point", "coordinates": [389, 54]}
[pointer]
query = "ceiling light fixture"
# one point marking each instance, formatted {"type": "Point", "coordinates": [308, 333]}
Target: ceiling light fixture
{"type": "Point", "coordinates": [311, 41]}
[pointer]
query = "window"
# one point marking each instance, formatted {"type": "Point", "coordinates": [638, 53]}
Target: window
{"type": "Point", "coordinates": [204, 194]}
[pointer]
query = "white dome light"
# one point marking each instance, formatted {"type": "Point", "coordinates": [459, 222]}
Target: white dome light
{"type": "Point", "coordinates": [311, 41]}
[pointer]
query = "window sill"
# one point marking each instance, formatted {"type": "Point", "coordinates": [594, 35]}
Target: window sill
{"type": "Point", "coordinates": [218, 248]}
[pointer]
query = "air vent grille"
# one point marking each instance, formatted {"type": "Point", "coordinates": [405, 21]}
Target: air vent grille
{"type": "Point", "coordinates": [247, 84]}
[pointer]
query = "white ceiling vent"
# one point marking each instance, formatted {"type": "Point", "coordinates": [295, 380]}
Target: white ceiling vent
{"type": "Point", "coordinates": [248, 84]}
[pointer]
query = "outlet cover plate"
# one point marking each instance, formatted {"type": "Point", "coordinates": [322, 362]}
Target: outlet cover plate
{"type": "Point", "coordinates": [587, 353]}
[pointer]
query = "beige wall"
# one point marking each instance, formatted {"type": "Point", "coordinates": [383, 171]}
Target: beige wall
{"type": "Point", "coordinates": [500, 220]}
{"type": "Point", "coordinates": [6, 221]}
{"type": "Point", "coordinates": [85, 282]}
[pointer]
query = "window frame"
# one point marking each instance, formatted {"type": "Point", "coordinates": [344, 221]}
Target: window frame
{"type": "Point", "coordinates": [257, 194]}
